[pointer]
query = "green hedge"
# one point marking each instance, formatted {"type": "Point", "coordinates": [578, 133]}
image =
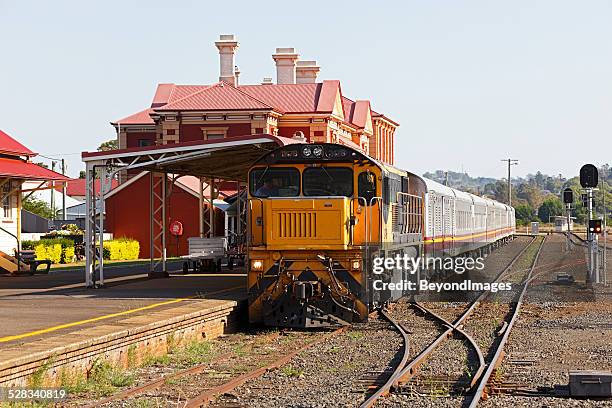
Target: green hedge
{"type": "Point", "coordinates": [57, 250]}
{"type": "Point", "coordinates": [121, 249]}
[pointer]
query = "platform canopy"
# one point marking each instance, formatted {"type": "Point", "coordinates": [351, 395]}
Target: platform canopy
{"type": "Point", "coordinates": [227, 159]}
{"type": "Point", "coordinates": [210, 161]}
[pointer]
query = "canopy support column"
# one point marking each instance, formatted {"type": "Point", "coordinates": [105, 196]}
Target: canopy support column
{"type": "Point", "coordinates": [94, 260]}
{"type": "Point", "coordinates": [157, 202]}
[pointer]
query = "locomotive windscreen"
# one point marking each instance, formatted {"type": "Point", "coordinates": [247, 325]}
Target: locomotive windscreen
{"type": "Point", "coordinates": [275, 182]}
{"type": "Point", "coordinates": [327, 181]}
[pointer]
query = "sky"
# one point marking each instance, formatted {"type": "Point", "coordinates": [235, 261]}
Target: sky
{"type": "Point", "coordinates": [470, 82]}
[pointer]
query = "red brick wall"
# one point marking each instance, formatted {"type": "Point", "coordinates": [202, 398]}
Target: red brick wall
{"type": "Point", "coordinates": [134, 137]}
{"type": "Point", "coordinates": [190, 133]}
{"type": "Point", "coordinates": [290, 131]}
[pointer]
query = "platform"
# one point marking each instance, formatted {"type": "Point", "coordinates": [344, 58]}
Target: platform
{"type": "Point", "coordinates": [51, 323]}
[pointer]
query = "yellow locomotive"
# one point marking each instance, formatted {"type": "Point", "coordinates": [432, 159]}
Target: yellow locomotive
{"type": "Point", "coordinates": [317, 212]}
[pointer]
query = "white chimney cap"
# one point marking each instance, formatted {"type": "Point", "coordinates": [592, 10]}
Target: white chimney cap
{"type": "Point", "coordinates": [285, 50]}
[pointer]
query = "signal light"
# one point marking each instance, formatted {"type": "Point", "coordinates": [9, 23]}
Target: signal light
{"type": "Point", "coordinates": [568, 196]}
{"type": "Point", "coordinates": [595, 226]}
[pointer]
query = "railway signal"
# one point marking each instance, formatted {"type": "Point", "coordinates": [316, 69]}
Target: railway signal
{"type": "Point", "coordinates": [568, 200]}
{"type": "Point", "coordinates": [589, 178]}
{"type": "Point", "coordinates": [568, 196]}
{"type": "Point", "coordinates": [595, 226]}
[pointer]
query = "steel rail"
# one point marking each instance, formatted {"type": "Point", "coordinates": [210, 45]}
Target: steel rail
{"type": "Point", "coordinates": [410, 370]}
{"type": "Point", "coordinates": [386, 387]}
{"type": "Point", "coordinates": [208, 395]}
{"type": "Point", "coordinates": [404, 372]}
{"type": "Point", "coordinates": [455, 327]}
{"type": "Point", "coordinates": [480, 391]}
{"type": "Point", "coordinates": [157, 383]}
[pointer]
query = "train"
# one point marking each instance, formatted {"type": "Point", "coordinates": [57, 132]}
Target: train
{"type": "Point", "coordinates": [317, 216]}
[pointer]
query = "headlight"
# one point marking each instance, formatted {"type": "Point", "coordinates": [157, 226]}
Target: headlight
{"type": "Point", "coordinates": [356, 265]}
{"type": "Point", "coordinates": [317, 151]}
{"type": "Point", "coordinates": [257, 265]}
{"type": "Point", "coordinates": [306, 151]}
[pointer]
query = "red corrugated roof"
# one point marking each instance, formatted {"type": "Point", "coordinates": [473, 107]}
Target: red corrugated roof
{"type": "Point", "coordinates": [8, 145]}
{"type": "Point", "coordinates": [162, 94]}
{"type": "Point", "coordinates": [221, 96]}
{"type": "Point", "coordinates": [193, 183]}
{"type": "Point", "coordinates": [360, 113]}
{"type": "Point", "coordinates": [17, 168]}
{"type": "Point", "coordinates": [286, 98]}
{"type": "Point", "coordinates": [139, 118]}
{"type": "Point", "coordinates": [77, 187]}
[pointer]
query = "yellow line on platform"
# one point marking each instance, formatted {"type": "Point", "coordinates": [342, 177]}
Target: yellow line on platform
{"type": "Point", "coordinates": [108, 316]}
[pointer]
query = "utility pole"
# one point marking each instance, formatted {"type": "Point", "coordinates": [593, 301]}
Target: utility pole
{"type": "Point", "coordinates": [52, 192]}
{"type": "Point", "coordinates": [64, 190]}
{"type": "Point", "coordinates": [511, 162]}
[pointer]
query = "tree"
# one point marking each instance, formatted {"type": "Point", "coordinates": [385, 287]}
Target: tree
{"type": "Point", "coordinates": [108, 145]}
{"type": "Point", "coordinates": [524, 214]}
{"type": "Point", "coordinates": [82, 174]}
{"type": "Point", "coordinates": [38, 207]}
{"type": "Point", "coordinates": [550, 207]}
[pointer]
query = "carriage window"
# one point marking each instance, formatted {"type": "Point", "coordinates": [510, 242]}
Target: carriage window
{"type": "Point", "coordinates": [328, 181]}
{"type": "Point", "coordinates": [366, 185]}
{"type": "Point", "coordinates": [275, 182]}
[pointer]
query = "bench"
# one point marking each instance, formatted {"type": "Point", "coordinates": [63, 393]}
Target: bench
{"type": "Point", "coordinates": [205, 254]}
{"type": "Point", "coordinates": [29, 257]}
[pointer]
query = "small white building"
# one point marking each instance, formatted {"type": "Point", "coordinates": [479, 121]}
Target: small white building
{"type": "Point", "coordinates": [561, 224]}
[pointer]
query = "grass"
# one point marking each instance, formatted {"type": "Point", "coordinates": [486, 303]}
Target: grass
{"type": "Point", "coordinates": [355, 335]}
{"type": "Point", "coordinates": [102, 380]}
{"type": "Point", "coordinates": [292, 372]}
{"type": "Point", "coordinates": [38, 376]}
{"type": "Point", "coordinates": [194, 353]}
{"type": "Point", "coordinates": [74, 265]}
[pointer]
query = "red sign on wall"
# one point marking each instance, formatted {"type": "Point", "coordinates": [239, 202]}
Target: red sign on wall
{"type": "Point", "coordinates": [176, 228]}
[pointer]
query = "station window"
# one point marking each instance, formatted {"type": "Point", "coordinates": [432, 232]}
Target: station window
{"type": "Point", "coordinates": [275, 182]}
{"type": "Point", "coordinates": [145, 142]}
{"type": "Point", "coordinates": [328, 181]}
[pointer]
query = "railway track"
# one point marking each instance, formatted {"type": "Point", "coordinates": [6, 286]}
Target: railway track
{"type": "Point", "coordinates": [200, 384]}
{"type": "Point", "coordinates": [476, 387]}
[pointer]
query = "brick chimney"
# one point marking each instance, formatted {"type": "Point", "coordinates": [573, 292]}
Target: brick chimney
{"type": "Point", "coordinates": [285, 59]}
{"type": "Point", "coordinates": [306, 72]}
{"type": "Point", "coordinates": [227, 46]}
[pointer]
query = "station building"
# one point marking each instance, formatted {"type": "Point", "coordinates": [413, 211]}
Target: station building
{"type": "Point", "coordinates": [297, 106]}
{"type": "Point", "coordinates": [17, 169]}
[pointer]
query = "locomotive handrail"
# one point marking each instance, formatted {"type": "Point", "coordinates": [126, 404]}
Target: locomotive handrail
{"type": "Point", "coordinates": [410, 196]}
{"type": "Point", "coordinates": [365, 205]}
{"type": "Point", "coordinates": [370, 214]}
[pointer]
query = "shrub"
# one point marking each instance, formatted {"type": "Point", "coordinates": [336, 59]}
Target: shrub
{"type": "Point", "coordinates": [28, 245]}
{"type": "Point", "coordinates": [57, 250]}
{"type": "Point", "coordinates": [121, 249]}
{"type": "Point", "coordinates": [52, 252]}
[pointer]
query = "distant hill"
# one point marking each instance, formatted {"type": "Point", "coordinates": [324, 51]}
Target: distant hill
{"type": "Point", "coordinates": [461, 181]}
